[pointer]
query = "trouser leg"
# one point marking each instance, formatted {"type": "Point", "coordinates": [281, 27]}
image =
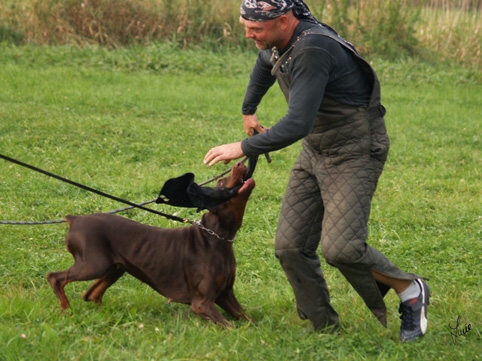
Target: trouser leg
{"type": "Point", "coordinates": [347, 189]}
{"type": "Point", "coordinates": [297, 240]}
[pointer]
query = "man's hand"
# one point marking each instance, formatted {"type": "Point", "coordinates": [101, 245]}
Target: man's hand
{"type": "Point", "coordinates": [225, 153]}
{"type": "Point", "coordinates": [251, 123]}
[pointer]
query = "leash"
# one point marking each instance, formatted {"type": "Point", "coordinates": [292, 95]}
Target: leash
{"type": "Point", "coordinates": [121, 200]}
{"type": "Point", "coordinates": [106, 195]}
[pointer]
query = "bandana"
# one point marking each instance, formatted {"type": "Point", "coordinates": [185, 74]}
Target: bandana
{"type": "Point", "coordinates": [264, 10]}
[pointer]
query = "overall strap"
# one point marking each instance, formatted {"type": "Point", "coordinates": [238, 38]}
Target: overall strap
{"type": "Point", "coordinates": [321, 30]}
{"type": "Point", "coordinates": [375, 97]}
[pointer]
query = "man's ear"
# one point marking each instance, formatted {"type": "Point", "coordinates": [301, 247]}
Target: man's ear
{"type": "Point", "coordinates": [283, 21]}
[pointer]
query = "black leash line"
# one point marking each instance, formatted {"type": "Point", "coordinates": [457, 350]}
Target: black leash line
{"type": "Point", "coordinates": [119, 210]}
{"type": "Point", "coordinates": [93, 190]}
{"type": "Point", "coordinates": [134, 205]}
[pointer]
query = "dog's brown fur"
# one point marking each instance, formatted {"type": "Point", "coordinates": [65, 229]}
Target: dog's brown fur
{"type": "Point", "coordinates": [187, 265]}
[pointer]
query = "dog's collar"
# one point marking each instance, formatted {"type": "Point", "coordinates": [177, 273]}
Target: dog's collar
{"type": "Point", "coordinates": [211, 232]}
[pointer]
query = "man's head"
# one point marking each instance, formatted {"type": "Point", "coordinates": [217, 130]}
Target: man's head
{"type": "Point", "coordinates": [272, 22]}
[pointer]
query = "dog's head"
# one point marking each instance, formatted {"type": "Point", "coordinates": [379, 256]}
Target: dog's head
{"type": "Point", "coordinates": [228, 217]}
{"type": "Point", "coordinates": [226, 202]}
{"type": "Point", "coordinates": [184, 192]}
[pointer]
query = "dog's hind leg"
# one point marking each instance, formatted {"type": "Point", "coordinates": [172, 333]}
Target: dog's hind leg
{"type": "Point", "coordinates": [58, 280]}
{"type": "Point", "coordinates": [80, 271]}
{"type": "Point", "coordinates": [97, 290]}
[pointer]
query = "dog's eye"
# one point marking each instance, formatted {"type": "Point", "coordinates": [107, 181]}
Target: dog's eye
{"type": "Point", "coordinates": [220, 183]}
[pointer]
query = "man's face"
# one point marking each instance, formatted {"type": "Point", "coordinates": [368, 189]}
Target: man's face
{"type": "Point", "coordinates": [265, 34]}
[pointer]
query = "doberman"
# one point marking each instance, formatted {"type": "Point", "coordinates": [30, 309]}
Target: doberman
{"type": "Point", "coordinates": [193, 265]}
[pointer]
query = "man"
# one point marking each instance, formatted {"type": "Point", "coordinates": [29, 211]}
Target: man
{"type": "Point", "coordinates": [334, 105]}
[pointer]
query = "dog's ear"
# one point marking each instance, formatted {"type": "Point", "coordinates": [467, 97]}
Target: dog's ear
{"type": "Point", "coordinates": [183, 192]}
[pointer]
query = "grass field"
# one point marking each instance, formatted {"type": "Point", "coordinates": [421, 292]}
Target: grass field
{"type": "Point", "coordinates": [125, 121]}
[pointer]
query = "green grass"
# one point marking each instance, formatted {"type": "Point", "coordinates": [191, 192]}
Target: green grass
{"type": "Point", "coordinates": [125, 121]}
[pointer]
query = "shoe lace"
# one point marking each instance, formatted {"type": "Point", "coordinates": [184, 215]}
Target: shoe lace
{"type": "Point", "coordinates": [406, 315]}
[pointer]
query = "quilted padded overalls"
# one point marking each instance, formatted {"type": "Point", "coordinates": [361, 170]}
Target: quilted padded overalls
{"type": "Point", "coordinates": [328, 198]}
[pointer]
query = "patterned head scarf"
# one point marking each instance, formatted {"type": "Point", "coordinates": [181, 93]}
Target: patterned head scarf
{"type": "Point", "coordinates": [264, 10]}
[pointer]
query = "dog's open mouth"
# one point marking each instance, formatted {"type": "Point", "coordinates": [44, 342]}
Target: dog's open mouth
{"type": "Point", "coordinates": [247, 183]}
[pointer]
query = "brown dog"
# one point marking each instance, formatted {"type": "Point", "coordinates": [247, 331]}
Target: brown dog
{"type": "Point", "coordinates": [193, 265]}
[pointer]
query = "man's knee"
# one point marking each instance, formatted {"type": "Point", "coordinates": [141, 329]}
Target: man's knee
{"type": "Point", "coordinates": [286, 254]}
{"type": "Point", "coordinates": [347, 252]}
{"type": "Point", "coordinates": [293, 261]}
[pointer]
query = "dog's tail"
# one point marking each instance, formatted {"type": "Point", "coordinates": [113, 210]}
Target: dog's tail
{"type": "Point", "coordinates": [69, 219]}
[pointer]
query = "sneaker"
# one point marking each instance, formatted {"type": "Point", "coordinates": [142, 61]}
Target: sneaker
{"type": "Point", "coordinates": [414, 314]}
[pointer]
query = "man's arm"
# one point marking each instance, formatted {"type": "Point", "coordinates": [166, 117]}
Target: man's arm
{"type": "Point", "coordinates": [310, 71]}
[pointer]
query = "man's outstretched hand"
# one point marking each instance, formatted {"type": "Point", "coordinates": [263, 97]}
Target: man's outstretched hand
{"type": "Point", "coordinates": [225, 153]}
